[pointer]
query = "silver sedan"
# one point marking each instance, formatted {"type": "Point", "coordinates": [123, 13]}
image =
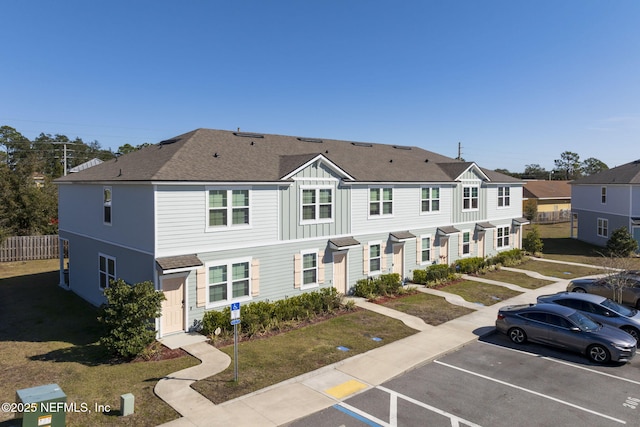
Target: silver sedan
{"type": "Point", "coordinates": [566, 328]}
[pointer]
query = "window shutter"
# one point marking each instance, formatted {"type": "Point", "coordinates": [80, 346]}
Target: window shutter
{"type": "Point", "coordinates": [383, 258]}
{"type": "Point", "coordinates": [495, 238]}
{"type": "Point", "coordinates": [297, 271]}
{"type": "Point", "coordinates": [418, 250]}
{"type": "Point", "coordinates": [365, 259]}
{"type": "Point", "coordinates": [255, 277]}
{"type": "Point", "coordinates": [201, 287]}
{"type": "Point", "coordinates": [320, 267]}
{"type": "Point", "coordinates": [460, 242]}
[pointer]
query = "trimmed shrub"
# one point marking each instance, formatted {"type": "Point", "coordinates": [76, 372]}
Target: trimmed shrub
{"type": "Point", "coordinates": [420, 276]}
{"type": "Point", "coordinates": [383, 285]}
{"type": "Point", "coordinates": [438, 273]}
{"type": "Point", "coordinates": [508, 258]}
{"type": "Point", "coordinates": [469, 265]}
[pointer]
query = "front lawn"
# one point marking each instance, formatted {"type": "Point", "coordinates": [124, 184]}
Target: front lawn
{"type": "Point", "coordinates": [434, 310]}
{"type": "Point", "coordinates": [478, 292]}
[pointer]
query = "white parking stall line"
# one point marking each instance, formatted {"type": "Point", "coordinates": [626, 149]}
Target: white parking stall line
{"type": "Point", "coordinates": [531, 392]}
{"type": "Point", "coordinates": [455, 420]}
{"type": "Point", "coordinates": [362, 416]}
{"type": "Point", "coordinates": [562, 362]}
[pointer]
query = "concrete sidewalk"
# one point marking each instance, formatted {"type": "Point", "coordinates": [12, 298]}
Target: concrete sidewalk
{"type": "Point", "coordinates": [300, 396]}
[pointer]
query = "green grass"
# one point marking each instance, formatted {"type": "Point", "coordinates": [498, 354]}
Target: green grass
{"type": "Point", "coordinates": [480, 293]}
{"type": "Point", "coordinates": [265, 362]}
{"type": "Point", "coordinates": [559, 271]}
{"type": "Point", "coordinates": [516, 278]}
{"type": "Point", "coordinates": [49, 335]}
{"type": "Point", "coordinates": [434, 310]}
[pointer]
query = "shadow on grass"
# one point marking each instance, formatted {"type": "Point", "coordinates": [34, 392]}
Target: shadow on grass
{"type": "Point", "coordinates": [33, 308]}
{"type": "Point", "coordinates": [569, 246]}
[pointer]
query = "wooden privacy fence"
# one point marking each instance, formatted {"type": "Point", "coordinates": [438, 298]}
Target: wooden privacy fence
{"type": "Point", "coordinates": [27, 248]}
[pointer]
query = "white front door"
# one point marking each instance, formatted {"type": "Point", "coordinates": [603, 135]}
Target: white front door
{"type": "Point", "coordinates": [398, 260]}
{"type": "Point", "coordinates": [340, 272]}
{"type": "Point", "coordinates": [173, 306]}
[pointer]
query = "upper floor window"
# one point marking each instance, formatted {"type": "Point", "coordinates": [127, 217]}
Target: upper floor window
{"type": "Point", "coordinates": [603, 227]}
{"type": "Point", "coordinates": [503, 237]}
{"type": "Point", "coordinates": [380, 201]}
{"type": "Point", "coordinates": [469, 198]}
{"type": "Point", "coordinates": [430, 199]}
{"type": "Point", "coordinates": [106, 205]}
{"type": "Point", "coordinates": [603, 195]}
{"type": "Point", "coordinates": [229, 281]}
{"type": "Point", "coordinates": [375, 258]}
{"type": "Point", "coordinates": [504, 196]}
{"type": "Point", "coordinates": [106, 270]}
{"type": "Point", "coordinates": [228, 208]}
{"type": "Point", "coordinates": [317, 204]}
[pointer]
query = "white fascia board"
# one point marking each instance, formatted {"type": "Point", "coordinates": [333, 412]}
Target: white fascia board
{"type": "Point", "coordinates": [324, 160]}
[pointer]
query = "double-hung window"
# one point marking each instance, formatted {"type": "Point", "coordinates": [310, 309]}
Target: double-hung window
{"type": "Point", "coordinates": [228, 282]}
{"type": "Point", "coordinates": [106, 270]}
{"type": "Point", "coordinates": [228, 208]}
{"type": "Point", "coordinates": [317, 205]}
{"type": "Point", "coordinates": [603, 195]}
{"type": "Point", "coordinates": [375, 258]}
{"type": "Point", "coordinates": [504, 198]}
{"type": "Point", "coordinates": [466, 243]}
{"type": "Point", "coordinates": [430, 199]}
{"type": "Point", "coordinates": [381, 201]}
{"type": "Point", "coordinates": [106, 205]}
{"type": "Point", "coordinates": [309, 269]}
{"type": "Point", "coordinates": [470, 198]}
{"type": "Point", "coordinates": [503, 237]}
{"type": "Point", "coordinates": [603, 227]}
{"type": "Point", "coordinates": [426, 249]}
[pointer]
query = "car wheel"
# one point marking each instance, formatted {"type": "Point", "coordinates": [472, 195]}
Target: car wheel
{"type": "Point", "coordinates": [579, 291]}
{"type": "Point", "coordinates": [517, 335]}
{"type": "Point", "coordinates": [631, 331]}
{"type": "Point", "coordinates": [598, 353]}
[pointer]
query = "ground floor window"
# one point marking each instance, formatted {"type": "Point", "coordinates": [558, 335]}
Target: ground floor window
{"type": "Point", "coordinates": [426, 249]}
{"type": "Point", "coordinates": [375, 259]}
{"type": "Point", "coordinates": [503, 237]}
{"type": "Point", "coordinates": [107, 270]}
{"type": "Point", "coordinates": [466, 243]}
{"type": "Point", "coordinates": [229, 281]}
{"type": "Point", "coordinates": [603, 227]}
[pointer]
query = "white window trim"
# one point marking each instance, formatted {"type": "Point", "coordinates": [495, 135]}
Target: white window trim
{"type": "Point", "coordinates": [375, 272]}
{"type": "Point", "coordinates": [229, 226]}
{"type": "Point", "coordinates": [603, 194]}
{"type": "Point", "coordinates": [470, 198]}
{"type": "Point", "coordinates": [229, 263]}
{"type": "Point", "coordinates": [462, 232]}
{"type": "Point", "coordinates": [430, 211]}
{"type": "Point", "coordinates": [508, 228]}
{"type": "Point", "coordinates": [115, 269]}
{"type": "Point", "coordinates": [605, 227]}
{"type": "Point", "coordinates": [503, 197]}
{"type": "Point", "coordinates": [317, 204]}
{"type": "Point", "coordinates": [315, 284]}
{"type": "Point", "coordinates": [430, 260]}
{"type": "Point", "coordinates": [105, 204]}
{"type": "Point", "coordinates": [381, 215]}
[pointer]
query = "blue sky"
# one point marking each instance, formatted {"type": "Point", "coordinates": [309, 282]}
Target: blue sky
{"type": "Point", "coordinates": [515, 82]}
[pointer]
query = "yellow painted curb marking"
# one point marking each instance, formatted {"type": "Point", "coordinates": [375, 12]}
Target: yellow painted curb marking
{"type": "Point", "coordinates": [345, 389]}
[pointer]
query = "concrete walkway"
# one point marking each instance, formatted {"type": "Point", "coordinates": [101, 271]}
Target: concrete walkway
{"type": "Point", "coordinates": [300, 396]}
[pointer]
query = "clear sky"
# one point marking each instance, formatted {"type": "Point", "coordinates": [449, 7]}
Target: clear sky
{"type": "Point", "coordinates": [515, 82]}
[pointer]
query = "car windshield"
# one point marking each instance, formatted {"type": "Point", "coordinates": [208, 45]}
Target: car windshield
{"type": "Point", "coordinates": [618, 308]}
{"type": "Point", "coordinates": [583, 322]}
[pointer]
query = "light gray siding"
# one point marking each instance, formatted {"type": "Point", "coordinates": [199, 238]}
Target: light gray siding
{"type": "Point", "coordinates": [81, 212]}
{"type": "Point", "coordinates": [182, 214]}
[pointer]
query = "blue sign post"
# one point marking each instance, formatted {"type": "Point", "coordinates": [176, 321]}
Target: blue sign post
{"type": "Point", "coordinates": [235, 320]}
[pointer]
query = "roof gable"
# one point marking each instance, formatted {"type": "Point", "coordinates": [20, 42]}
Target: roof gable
{"type": "Point", "coordinates": [628, 173]}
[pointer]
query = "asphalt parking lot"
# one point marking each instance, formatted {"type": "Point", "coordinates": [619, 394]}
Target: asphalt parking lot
{"type": "Point", "coordinates": [493, 382]}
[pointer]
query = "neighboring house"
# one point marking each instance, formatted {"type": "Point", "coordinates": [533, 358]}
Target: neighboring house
{"type": "Point", "coordinates": [215, 217]}
{"type": "Point", "coordinates": [606, 201]}
{"type": "Point", "coordinates": [552, 199]}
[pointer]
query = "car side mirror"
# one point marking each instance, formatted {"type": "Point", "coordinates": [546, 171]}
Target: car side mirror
{"type": "Point", "coordinates": [574, 329]}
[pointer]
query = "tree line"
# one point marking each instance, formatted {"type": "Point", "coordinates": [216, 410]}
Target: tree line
{"type": "Point", "coordinates": [29, 199]}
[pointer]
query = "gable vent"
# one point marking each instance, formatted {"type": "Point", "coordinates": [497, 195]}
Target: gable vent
{"type": "Point", "coordinates": [248, 135]}
{"type": "Point", "coordinates": [316, 140]}
{"type": "Point", "coordinates": [362, 144]}
{"type": "Point", "coordinates": [401, 147]}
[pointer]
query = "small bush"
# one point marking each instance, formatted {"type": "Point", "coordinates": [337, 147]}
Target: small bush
{"type": "Point", "coordinates": [420, 276]}
{"type": "Point", "coordinates": [508, 258]}
{"type": "Point", "coordinates": [532, 242]}
{"type": "Point", "coordinates": [438, 273]}
{"type": "Point", "coordinates": [383, 285]}
{"type": "Point", "coordinates": [621, 244]}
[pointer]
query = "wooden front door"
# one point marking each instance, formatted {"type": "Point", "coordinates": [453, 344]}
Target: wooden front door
{"type": "Point", "coordinates": [173, 306]}
{"type": "Point", "coordinates": [340, 272]}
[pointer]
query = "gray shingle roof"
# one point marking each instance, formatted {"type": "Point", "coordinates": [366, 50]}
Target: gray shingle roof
{"type": "Point", "coordinates": [628, 173]}
{"type": "Point", "coordinates": [206, 155]}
